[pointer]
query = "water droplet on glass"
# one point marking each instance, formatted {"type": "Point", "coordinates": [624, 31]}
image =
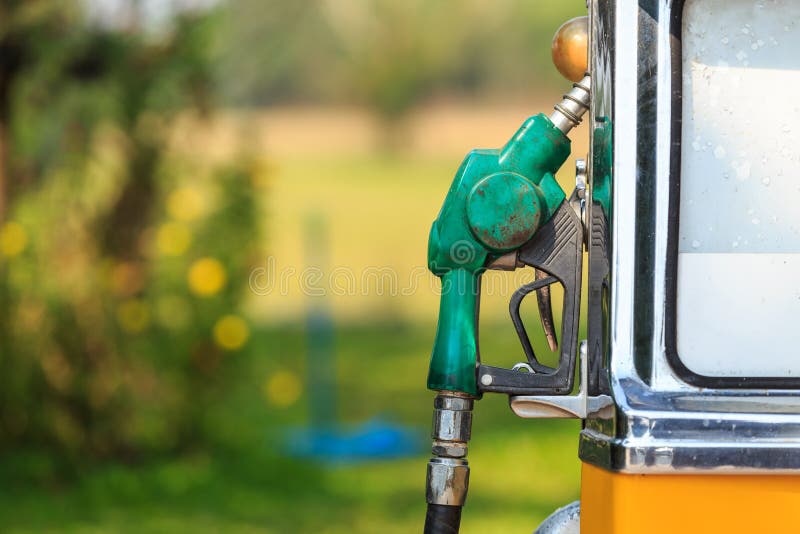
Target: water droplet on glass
{"type": "Point", "coordinates": [765, 180]}
{"type": "Point", "coordinates": [695, 244]}
{"type": "Point", "coordinates": [745, 31]}
{"type": "Point", "coordinates": [741, 55]}
{"type": "Point", "coordinates": [742, 170]}
{"type": "Point", "coordinates": [725, 40]}
{"type": "Point", "coordinates": [756, 220]}
{"type": "Point", "coordinates": [719, 152]}
{"type": "Point", "coordinates": [696, 145]}
{"type": "Point", "coordinates": [754, 46]}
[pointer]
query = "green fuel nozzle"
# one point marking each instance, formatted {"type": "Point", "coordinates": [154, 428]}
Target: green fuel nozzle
{"type": "Point", "coordinates": [504, 209]}
{"type": "Point", "coordinates": [496, 203]}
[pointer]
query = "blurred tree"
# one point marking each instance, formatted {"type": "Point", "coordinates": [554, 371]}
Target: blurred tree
{"type": "Point", "coordinates": [387, 53]}
{"type": "Point", "coordinates": [396, 52]}
{"type": "Point", "coordinates": [122, 266]}
{"type": "Point", "coordinates": [277, 51]}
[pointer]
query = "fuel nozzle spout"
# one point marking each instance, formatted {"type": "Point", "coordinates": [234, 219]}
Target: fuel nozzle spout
{"type": "Point", "coordinates": [569, 112]}
{"type": "Point", "coordinates": [570, 51]}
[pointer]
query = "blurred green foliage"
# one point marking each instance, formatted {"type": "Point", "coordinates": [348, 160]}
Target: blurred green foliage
{"type": "Point", "coordinates": [388, 54]}
{"type": "Point", "coordinates": [123, 265]}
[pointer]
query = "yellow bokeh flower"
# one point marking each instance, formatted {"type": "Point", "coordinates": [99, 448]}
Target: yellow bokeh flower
{"type": "Point", "coordinates": [173, 238]}
{"type": "Point", "coordinates": [185, 204]}
{"type": "Point", "coordinates": [206, 277]}
{"type": "Point", "coordinates": [13, 239]}
{"type": "Point", "coordinates": [283, 389]}
{"type": "Point", "coordinates": [231, 332]}
{"type": "Point", "coordinates": [133, 315]}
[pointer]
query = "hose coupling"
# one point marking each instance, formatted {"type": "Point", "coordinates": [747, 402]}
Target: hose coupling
{"type": "Point", "coordinates": [448, 470]}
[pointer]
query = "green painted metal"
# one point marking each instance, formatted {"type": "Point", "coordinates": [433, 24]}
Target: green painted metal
{"type": "Point", "coordinates": [496, 203]}
{"type": "Point", "coordinates": [602, 164]}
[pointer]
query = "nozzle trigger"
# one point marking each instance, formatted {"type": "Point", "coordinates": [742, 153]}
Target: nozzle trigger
{"type": "Point", "coordinates": [546, 311]}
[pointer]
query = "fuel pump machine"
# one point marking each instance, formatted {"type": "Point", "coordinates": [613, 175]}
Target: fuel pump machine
{"type": "Point", "coordinates": [688, 381]}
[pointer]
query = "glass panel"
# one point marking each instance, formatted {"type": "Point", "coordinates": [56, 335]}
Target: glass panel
{"type": "Point", "coordinates": [739, 251]}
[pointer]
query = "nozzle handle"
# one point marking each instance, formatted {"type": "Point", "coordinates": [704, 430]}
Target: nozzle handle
{"type": "Point", "coordinates": [455, 350]}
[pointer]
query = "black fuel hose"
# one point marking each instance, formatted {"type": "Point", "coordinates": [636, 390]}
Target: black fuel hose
{"type": "Point", "coordinates": [442, 519]}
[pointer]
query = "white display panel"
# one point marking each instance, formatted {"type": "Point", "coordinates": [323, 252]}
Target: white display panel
{"type": "Point", "coordinates": [738, 290]}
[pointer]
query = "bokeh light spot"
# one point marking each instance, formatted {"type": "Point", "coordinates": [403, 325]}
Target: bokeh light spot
{"type": "Point", "coordinates": [185, 204]}
{"type": "Point", "coordinates": [206, 277]}
{"type": "Point", "coordinates": [283, 389]}
{"type": "Point", "coordinates": [133, 315]}
{"type": "Point", "coordinates": [13, 239]}
{"type": "Point", "coordinates": [231, 332]}
{"type": "Point", "coordinates": [173, 238]}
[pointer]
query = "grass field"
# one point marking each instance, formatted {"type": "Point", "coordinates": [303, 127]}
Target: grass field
{"type": "Point", "coordinates": [521, 470]}
{"type": "Point", "coordinates": [378, 208]}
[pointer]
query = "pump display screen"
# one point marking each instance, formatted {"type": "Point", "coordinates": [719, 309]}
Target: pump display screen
{"type": "Point", "coordinates": [738, 280]}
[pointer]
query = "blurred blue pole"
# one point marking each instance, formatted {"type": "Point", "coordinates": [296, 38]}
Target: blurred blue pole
{"type": "Point", "coordinates": [320, 350]}
{"type": "Point", "coordinates": [324, 438]}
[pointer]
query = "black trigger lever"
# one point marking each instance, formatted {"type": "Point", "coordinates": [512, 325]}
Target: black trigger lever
{"type": "Point", "coordinates": [556, 252]}
{"type": "Point", "coordinates": [519, 295]}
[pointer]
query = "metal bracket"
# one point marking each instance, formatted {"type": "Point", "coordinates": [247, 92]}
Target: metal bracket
{"type": "Point", "coordinates": [563, 406]}
{"type": "Point", "coordinates": [578, 198]}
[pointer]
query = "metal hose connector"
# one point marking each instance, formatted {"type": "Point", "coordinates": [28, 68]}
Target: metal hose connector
{"type": "Point", "coordinates": [448, 470]}
{"type": "Point", "coordinates": [569, 112]}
